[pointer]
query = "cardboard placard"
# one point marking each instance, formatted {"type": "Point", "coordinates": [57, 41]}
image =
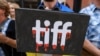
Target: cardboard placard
{"type": "Point", "coordinates": [50, 32]}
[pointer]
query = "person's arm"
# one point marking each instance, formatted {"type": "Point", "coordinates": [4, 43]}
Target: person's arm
{"type": "Point", "coordinates": [88, 46]}
{"type": "Point", "coordinates": [6, 40]}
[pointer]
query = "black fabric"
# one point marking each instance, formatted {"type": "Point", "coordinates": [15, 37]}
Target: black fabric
{"type": "Point", "coordinates": [9, 51]}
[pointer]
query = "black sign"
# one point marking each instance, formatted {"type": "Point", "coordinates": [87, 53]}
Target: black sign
{"type": "Point", "coordinates": [50, 32]}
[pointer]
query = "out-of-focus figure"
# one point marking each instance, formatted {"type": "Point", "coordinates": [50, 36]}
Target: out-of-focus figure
{"type": "Point", "coordinates": [7, 32]}
{"type": "Point", "coordinates": [92, 42]}
{"type": "Point", "coordinates": [13, 6]}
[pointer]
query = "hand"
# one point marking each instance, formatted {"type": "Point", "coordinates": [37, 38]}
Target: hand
{"type": "Point", "coordinates": [6, 40]}
{"type": "Point", "coordinates": [3, 38]}
{"type": "Point", "coordinates": [98, 53]}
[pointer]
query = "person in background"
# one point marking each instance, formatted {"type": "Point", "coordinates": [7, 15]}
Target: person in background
{"type": "Point", "coordinates": [54, 5]}
{"type": "Point", "coordinates": [65, 3]}
{"type": "Point", "coordinates": [51, 5]}
{"type": "Point", "coordinates": [13, 6]}
{"type": "Point", "coordinates": [92, 42]}
{"type": "Point", "coordinates": [7, 31]}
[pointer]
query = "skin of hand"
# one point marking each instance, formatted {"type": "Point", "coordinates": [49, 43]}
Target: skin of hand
{"type": "Point", "coordinates": [6, 40]}
{"type": "Point", "coordinates": [3, 38]}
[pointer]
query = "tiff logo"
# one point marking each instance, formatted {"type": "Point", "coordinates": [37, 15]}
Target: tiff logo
{"type": "Point", "coordinates": [61, 34]}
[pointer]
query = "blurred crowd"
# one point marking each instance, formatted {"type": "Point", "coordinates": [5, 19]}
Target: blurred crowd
{"type": "Point", "coordinates": [8, 45]}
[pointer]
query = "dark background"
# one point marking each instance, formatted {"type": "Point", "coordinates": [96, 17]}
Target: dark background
{"type": "Point", "coordinates": [34, 3]}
